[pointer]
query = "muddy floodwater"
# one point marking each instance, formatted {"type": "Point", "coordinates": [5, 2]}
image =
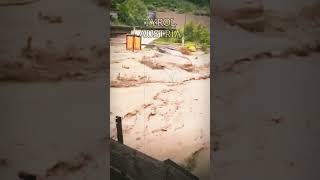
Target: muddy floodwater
{"type": "Point", "coordinates": [180, 19]}
{"type": "Point", "coordinates": [163, 97]}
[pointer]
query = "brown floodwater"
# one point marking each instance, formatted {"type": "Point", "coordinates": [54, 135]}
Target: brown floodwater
{"type": "Point", "coordinates": [180, 19]}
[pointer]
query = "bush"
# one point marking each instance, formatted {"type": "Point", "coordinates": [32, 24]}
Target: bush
{"type": "Point", "coordinates": [197, 34]}
{"type": "Point", "coordinates": [116, 3]}
{"type": "Point", "coordinates": [191, 46]}
{"type": "Point", "coordinates": [133, 12]}
{"type": "Point", "coordinates": [196, 37]}
{"type": "Point", "coordinates": [151, 8]}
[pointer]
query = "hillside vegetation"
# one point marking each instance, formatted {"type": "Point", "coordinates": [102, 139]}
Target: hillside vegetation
{"type": "Point", "coordinates": [195, 6]}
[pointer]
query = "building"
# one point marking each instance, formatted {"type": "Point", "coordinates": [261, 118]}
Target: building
{"type": "Point", "coordinates": [129, 164]}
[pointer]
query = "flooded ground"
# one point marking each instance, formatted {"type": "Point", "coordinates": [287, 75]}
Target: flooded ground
{"type": "Point", "coordinates": [265, 91]}
{"type": "Point", "coordinates": [181, 18]}
{"type": "Point", "coordinates": [53, 93]}
{"type": "Point", "coordinates": [164, 99]}
{"type": "Point", "coordinates": [270, 73]}
{"type": "Point", "coordinates": [43, 133]}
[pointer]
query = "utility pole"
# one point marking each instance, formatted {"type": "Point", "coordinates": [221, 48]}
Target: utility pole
{"type": "Point", "coordinates": [119, 129]}
{"type": "Point", "coordinates": [134, 37]}
{"type": "Point", "coordinates": [184, 26]}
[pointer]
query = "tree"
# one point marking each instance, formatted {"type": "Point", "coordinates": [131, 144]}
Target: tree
{"type": "Point", "coordinates": [133, 12]}
{"type": "Point", "coordinates": [115, 4]}
{"type": "Point", "coordinates": [200, 2]}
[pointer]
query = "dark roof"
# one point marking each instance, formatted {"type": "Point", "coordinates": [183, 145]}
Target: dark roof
{"type": "Point", "coordinates": [129, 164]}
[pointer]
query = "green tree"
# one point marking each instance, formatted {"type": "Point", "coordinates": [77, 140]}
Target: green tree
{"type": "Point", "coordinates": [115, 4]}
{"type": "Point", "coordinates": [201, 2]}
{"type": "Point", "coordinates": [133, 12]}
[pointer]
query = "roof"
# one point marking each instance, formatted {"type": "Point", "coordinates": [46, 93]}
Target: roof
{"type": "Point", "coordinates": [129, 164]}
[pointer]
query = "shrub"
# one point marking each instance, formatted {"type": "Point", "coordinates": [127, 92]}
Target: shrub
{"type": "Point", "coordinates": [115, 4]}
{"type": "Point", "coordinates": [197, 34]}
{"type": "Point", "coordinates": [151, 8]}
{"type": "Point", "coordinates": [191, 46]}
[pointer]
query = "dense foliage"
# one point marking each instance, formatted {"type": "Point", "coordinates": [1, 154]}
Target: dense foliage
{"type": "Point", "coordinates": [196, 36]}
{"type": "Point", "coordinates": [197, 33]}
{"type": "Point", "coordinates": [133, 12]}
{"type": "Point", "coordinates": [116, 3]}
{"type": "Point", "coordinates": [173, 5]}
